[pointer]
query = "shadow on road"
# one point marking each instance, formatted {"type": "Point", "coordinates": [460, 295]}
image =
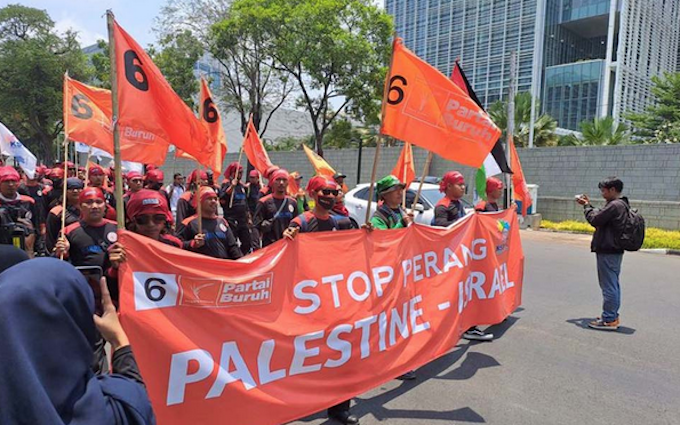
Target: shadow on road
{"type": "Point", "coordinates": [583, 323]}
{"type": "Point", "coordinates": [474, 361]}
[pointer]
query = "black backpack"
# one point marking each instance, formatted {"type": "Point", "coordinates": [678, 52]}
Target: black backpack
{"type": "Point", "coordinates": [633, 230]}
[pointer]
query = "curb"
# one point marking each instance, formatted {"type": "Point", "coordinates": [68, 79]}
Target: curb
{"type": "Point", "coordinates": [661, 251]}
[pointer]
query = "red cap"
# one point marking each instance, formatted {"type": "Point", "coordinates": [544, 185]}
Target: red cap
{"type": "Point", "coordinates": [452, 177]}
{"type": "Point", "coordinates": [253, 173]}
{"type": "Point", "coordinates": [133, 175]}
{"type": "Point", "coordinates": [206, 193]}
{"type": "Point", "coordinates": [40, 170]}
{"type": "Point", "coordinates": [147, 201]}
{"type": "Point", "coordinates": [492, 184]}
{"type": "Point", "coordinates": [57, 173]}
{"type": "Point", "coordinates": [232, 170]}
{"type": "Point", "coordinates": [96, 170]}
{"type": "Point", "coordinates": [193, 177]}
{"type": "Point", "coordinates": [8, 174]}
{"type": "Point", "coordinates": [268, 172]}
{"type": "Point", "coordinates": [317, 183]}
{"type": "Point", "coordinates": [278, 174]}
{"type": "Point", "coordinates": [150, 167]}
{"type": "Point", "coordinates": [90, 193]}
{"type": "Point", "coordinates": [155, 175]}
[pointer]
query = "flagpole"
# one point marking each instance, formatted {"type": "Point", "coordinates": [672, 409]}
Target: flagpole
{"type": "Point", "coordinates": [199, 207]}
{"type": "Point", "coordinates": [240, 154]}
{"type": "Point", "coordinates": [63, 193]}
{"type": "Point", "coordinates": [87, 166]}
{"type": "Point", "coordinates": [510, 125]}
{"type": "Point", "coordinates": [377, 143]}
{"type": "Point", "coordinates": [120, 213]}
{"type": "Point", "coordinates": [422, 179]}
{"type": "Point", "coordinates": [403, 173]}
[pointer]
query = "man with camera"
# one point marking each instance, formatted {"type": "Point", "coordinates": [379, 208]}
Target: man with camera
{"type": "Point", "coordinates": [18, 217]}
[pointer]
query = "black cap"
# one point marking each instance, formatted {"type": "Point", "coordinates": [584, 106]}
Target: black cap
{"type": "Point", "coordinates": [339, 175]}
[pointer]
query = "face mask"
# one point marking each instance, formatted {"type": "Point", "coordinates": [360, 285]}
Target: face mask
{"type": "Point", "coordinates": [326, 202]}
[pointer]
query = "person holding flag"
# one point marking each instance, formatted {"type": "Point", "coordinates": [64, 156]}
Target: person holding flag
{"type": "Point", "coordinates": [447, 211]}
{"type": "Point", "coordinates": [389, 214]}
{"type": "Point", "coordinates": [233, 198]}
{"type": "Point", "coordinates": [53, 222]}
{"type": "Point", "coordinates": [275, 211]}
{"type": "Point", "coordinates": [216, 239]}
{"type": "Point", "coordinates": [494, 193]}
{"type": "Point", "coordinates": [320, 219]}
{"type": "Point", "coordinates": [185, 204]}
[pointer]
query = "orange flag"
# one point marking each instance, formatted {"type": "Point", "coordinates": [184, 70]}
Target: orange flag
{"type": "Point", "coordinates": [423, 107]}
{"type": "Point", "coordinates": [405, 170]}
{"type": "Point", "coordinates": [519, 185]}
{"type": "Point", "coordinates": [87, 119]}
{"type": "Point", "coordinates": [147, 101]}
{"type": "Point", "coordinates": [254, 150]}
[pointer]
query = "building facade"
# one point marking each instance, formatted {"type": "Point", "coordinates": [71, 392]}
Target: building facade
{"type": "Point", "coordinates": [581, 58]}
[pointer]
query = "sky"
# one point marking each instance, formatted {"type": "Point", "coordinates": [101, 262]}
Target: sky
{"type": "Point", "coordinates": [89, 19]}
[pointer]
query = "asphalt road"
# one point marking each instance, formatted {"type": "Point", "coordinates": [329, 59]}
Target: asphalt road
{"type": "Point", "coordinates": [545, 366]}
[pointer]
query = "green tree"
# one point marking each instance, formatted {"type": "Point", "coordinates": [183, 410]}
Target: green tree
{"type": "Point", "coordinates": [335, 50]}
{"type": "Point", "coordinates": [660, 123]}
{"type": "Point", "coordinates": [544, 126]}
{"type": "Point", "coordinates": [598, 132]}
{"type": "Point", "coordinates": [101, 62]}
{"type": "Point", "coordinates": [178, 53]}
{"type": "Point", "coordinates": [33, 59]}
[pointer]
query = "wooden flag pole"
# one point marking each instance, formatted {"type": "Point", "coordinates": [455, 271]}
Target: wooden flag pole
{"type": "Point", "coordinates": [87, 167]}
{"type": "Point", "coordinates": [240, 153]}
{"type": "Point", "coordinates": [403, 194]}
{"type": "Point", "coordinates": [422, 179]}
{"type": "Point", "coordinates": [199, 207]}
{"type": "Point", "coordinates": [373, 173]}
{"type": "Point", "coordinates": [63, 193]}
{"type": "Point", "coordinates": [382, 118]}
{"type": "Point", "coordinates": [120, 213]}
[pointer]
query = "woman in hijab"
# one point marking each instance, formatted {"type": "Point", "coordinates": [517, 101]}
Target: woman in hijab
{"type": "Point", "coordinates": [48, 332]}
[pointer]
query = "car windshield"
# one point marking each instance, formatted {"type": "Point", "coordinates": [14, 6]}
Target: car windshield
{"type": "Point", "coordinates": [432, 195]}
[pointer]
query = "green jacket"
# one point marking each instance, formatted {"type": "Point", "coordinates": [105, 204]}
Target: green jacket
{"type": "Point", "coordinates": [385, 218]}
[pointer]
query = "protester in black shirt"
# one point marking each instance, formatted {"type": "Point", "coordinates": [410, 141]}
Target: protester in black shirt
{"type": "Point", "coordinates": [449, 210]}
{"type": "Point", "coordinates": [494, 192]}
{"type": "Point", "coordinates": [17, 212]}
{"type": "Point", "coordinates": [275, 211]}
{"type": "Point", "coordinates": [324, 194]}
{"type": "Point", "coordinates": [234, 203]}
{"type": "Point", "coordinates": [149, 215]}
{"type": "Point", "coordinates": [153, 180]}
{"type": "Point", "coordinates": [216, 239]}
{"type": "Point", "coordinates": [253, 191]}
{"type": "Point", "coordinates": [53, 223]}
{"type": "Point", "coordinates": [185, 204]}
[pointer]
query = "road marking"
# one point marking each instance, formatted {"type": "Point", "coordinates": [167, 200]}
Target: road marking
{"type": "Point", "coordinates": [444, 306]}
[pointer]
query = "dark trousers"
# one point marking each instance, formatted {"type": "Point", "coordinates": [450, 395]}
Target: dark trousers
{"type": "Point", "coordinates": [242, 232]}
{"type": "Point", "coordinates": [255, 238]}
{"type": "Point", "coordinates": [342, 407]}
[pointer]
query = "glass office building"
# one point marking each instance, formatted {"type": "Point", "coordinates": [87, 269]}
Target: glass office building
{"type": "Point", "coordinates": [581, 58]}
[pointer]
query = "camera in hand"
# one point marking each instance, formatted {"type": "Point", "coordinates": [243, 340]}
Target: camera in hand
{"type": "Point", "coordinates": [12, 232]}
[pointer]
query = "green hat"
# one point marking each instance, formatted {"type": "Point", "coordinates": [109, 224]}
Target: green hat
{"type": "Point", "coordinates": [388, 184]}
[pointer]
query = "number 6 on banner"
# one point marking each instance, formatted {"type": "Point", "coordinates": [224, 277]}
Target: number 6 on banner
{"type": "Point", "coordinates": [155, 290]}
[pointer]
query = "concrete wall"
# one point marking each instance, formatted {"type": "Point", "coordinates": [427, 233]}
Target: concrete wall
{"type": "Point", "coordinates": [651, 174]}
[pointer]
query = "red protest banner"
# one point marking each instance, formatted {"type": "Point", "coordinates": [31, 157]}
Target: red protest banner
{"type": "Point", "coordinates": [293, 328]}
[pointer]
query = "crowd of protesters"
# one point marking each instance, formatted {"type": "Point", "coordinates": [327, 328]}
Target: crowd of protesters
{"type": "Point", "coordinates": [227, 220]}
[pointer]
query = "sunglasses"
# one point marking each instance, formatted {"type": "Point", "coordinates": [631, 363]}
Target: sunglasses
{"type": "Point", "coordinates": [145, 219]}
{"type": "Point", "coordinates": [327, 192]}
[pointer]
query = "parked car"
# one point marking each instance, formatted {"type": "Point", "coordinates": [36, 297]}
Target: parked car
{"type": "Point", "coordinates": [356, 201]}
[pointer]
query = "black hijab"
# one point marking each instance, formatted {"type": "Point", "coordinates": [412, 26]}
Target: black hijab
{"type": "Point", "coordinates": [47, 335]}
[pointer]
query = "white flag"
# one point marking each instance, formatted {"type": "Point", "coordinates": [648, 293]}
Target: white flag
{"type": "Point", "coordinates": [11, 146]}
{"type": "Point", "coordinates": [83, 148]}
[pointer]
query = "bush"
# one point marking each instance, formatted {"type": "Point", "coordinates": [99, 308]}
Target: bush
{"type": "Point", "coordinates": [654, 238]}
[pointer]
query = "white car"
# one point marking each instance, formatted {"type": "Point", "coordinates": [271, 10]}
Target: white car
{"type": "Point", "coordinates": [356, 201]}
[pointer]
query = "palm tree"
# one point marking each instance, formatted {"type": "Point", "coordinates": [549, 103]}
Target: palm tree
{"type": "Point", "coordinates": [598, 132]}
{"type": "Point", "coordinates": [544, 126]}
